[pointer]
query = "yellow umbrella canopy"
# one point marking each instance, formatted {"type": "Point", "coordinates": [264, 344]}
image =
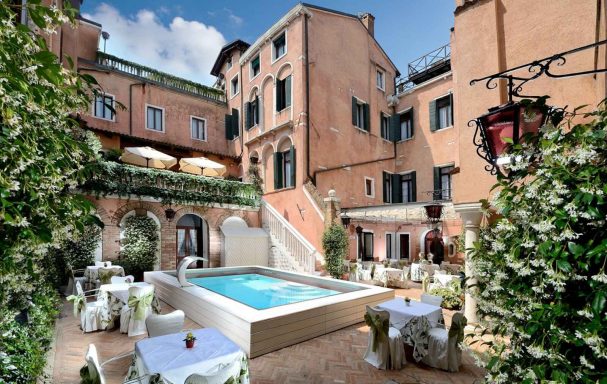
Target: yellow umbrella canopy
{"type": "Point", "coordinates": [147, 157]}
{"type": "Point", "coordinates": [202, 166]}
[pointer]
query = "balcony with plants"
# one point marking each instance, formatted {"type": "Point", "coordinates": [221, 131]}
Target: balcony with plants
{"type": "Point", "coordinates": [112, 178]}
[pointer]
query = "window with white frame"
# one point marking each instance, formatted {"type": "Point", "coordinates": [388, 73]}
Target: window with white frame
{"type": "Point", "coordinates": [234, 86]}
{"type": "Point", "coordinates": [407, 187]}
{"type": "Point", "coordinates": [229, 62]}
{"type": "Point", "coordinates": [406, 125]}
{"type": "Point", "coordinates": [102, 107]}
{"type": "Point", "coordinates": [283, 93]}
{"type": "Point", "coordinates": [367, 251]}
{"type": "Point", "coordinates": [369, 187]}
{"type": "Point", "coordinates": [255, 67]}
{"type": "Point", "coordinates": [198, 128]}
{"type": "Point", "coordinates": [443, 106]}
{"type": "Point", "coordinates": [154, 118]}
{"type": "Point", "coordinates": [385, 126]}
{"type": "Point", "coordinates": [279, 46]}
{"type": "Point", "coordinates": [380, 80]}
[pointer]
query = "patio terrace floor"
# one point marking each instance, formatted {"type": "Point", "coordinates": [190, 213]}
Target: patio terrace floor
{"type": "Point", "coordinates": [333, 358]}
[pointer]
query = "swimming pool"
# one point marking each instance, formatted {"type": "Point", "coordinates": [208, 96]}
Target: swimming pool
{"type": "Point", "coordinates": [260, 291]}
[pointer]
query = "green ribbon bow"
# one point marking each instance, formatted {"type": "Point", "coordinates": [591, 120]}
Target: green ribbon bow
{"type": "Point", "coordinates": [105, 277]}
{"type": "Point", "coordinates": [458, 323]}
{"type": "Point", "coordinates": [379, 328]}
{"type": "Point", "coordinates": [425, 282]}
{"type": "Point", "coordinates": [79, 303]}
{"type": "Point", "coordinates": [139, 304]}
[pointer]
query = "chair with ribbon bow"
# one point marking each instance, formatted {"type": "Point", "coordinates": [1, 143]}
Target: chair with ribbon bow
{"type": "Point", "coordinates": [139, 306]}
{"type": "Point", "coordinates": [443, 346]}
{"type": "Point", "coordinates": [386, 349]}
{"type": "Point", "coordinates": [90, 313]}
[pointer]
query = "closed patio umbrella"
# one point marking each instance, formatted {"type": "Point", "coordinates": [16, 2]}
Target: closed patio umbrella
{"type": "Point", "coordinates": [202, 166]}
{"type": "Point", "coordinates": [147, 157]}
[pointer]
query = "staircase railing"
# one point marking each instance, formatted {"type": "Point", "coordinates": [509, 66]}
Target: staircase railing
{"type": "Point", "coordinates": [299, 248]}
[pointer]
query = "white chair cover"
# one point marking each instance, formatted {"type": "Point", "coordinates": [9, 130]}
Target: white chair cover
{"type": "Point", "coordinates": [390, 353]}
{"type": "Point", "coordinates": [122, 280]}
{"type": "Point", "coordinates": [90, 313]}
{"type": "Point", "coordinates": [103, 263]}
{"type": "Point", "coordinates": [92, 362]}
{"type": "Point", "coordinates": [158, 325]}
{"type": "Point", "coordinates": [443, 346]}
{"type": "Point", "coordinates": [130, 322]}
{"type": "Point", "coordinates": [431, 299]}
{"type": "Point", "coordinates": [221, 374]}
{"type": "Point", "coordinates": [73, 279]}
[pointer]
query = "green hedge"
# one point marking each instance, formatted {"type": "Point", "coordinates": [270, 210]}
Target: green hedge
{"type": "Point", "coordinates": [168, 186]}
{"type": "Point", "coordinates": [140, 245]}
{"type": "Point", "coordinates": [335, 246]}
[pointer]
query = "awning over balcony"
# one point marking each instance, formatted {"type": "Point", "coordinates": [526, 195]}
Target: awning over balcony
{"type": "Point", "coordinates": [147, 157]}
{"type": "Point", "coordinates": [202, 166]}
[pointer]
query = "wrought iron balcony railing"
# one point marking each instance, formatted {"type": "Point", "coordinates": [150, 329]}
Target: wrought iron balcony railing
{"type": "Point", "coordinates": [110, 178]}
{"type": "Point", "coordinates": [431, 59]}
{"type": "Point", "coordinates": [162, 78]}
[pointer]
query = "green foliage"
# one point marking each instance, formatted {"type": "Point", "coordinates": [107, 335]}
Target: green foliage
{"type": "Point", "coordinates": [80, 251]}
{"type": "Point", "coordinates": [140, 244]}
{"type": "Point", "coordinates": [335, 246]}
{"type": "Point", "coordinates": [112, 154]}
{"type": "Point", "coordinates": [170, 187]}
{"type": "Point", "coordinates": [43, 156]}
{"type": "Point", "coordinates": [540, 266]}
{"type": "Point", "coordinates": [254, 175]}
{"type": "Point", "coordinates": [451, 298]}
{"type": "Point", "coordinates": [22, 355]}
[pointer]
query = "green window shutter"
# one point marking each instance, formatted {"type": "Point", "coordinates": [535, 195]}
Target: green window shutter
{"type": "Point", "coordinates": [354, 109]}
{"type": "Point", "coordinates": [293, 167]}
{"type": "Point", "coordinates": [258, 118]}
{"type": "Point", "coordinates": [433, 116]}
{"type": "Point", "coordinates": [228, 127]}
{"type": "Point", "coordinates": [451, 104]}
{"type": "Point", "coordinates": [385, 177]}
{"type": "Point", "coordinates": [278, 170]}
{"type": "Point", "coordinates": [413, 187]}
{"type": "Point", "coordinates": [412, 122]}
{"type": "Point", "coordinates": [287, 91]}
{"type": "Point", "coordinates": [235, 123]}
{"type": "Point", "coordinates": [395, 128]}
{"type": "Point", "coordinates": [279, 95]}
{"type": "Point", "coordinates": [397, 194]}
{"type": "Point", "coordinates": [367, 115]}
{"type": "Point", "coordinates": [437, 186]}
{"type": "Point", "coordinates": [247, 115]}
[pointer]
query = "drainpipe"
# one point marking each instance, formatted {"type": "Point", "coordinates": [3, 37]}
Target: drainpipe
{"type": "Point", "coordinates": [131, 106]}
{"type": "Point", "coordinates": [308, 120]}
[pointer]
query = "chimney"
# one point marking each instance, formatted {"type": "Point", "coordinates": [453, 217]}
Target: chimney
{"type": "Point", "coordinates": [369, 22]}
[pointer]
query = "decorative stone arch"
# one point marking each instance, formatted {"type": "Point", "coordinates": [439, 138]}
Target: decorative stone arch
{"type": "Point", "coordinates": [254, 92]}
{"type": "Point", "coordinates": [103, 252]}
{"type": "Point", "coordinates": [190, 210]}
{"type": "Point", "coordinates": [269, 77]}
{"type": "Point", "coordinates": [159, 230]}
{"type": "Point", "coordinates": [284, 143]}
{"type": "Point", "coordinates": [102, 213]}
{"type": "Point", "coordinates": [284, 70]}
{"type": "Point", "coordinates": [208, 232]}
{"type": "Point", "coordinates": [232, 213]}
{"type": "Point", "coordinates": [131, 206]}
{"type": "Point", "coordinates": [267, 166]}
{"type": "Point", "coordinates": [264, 149]}
{"type": "Point", "coordinates": [254, 154]}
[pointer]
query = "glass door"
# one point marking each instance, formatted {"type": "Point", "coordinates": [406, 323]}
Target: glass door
{"type": "Point", "coordinates": [187, 243]}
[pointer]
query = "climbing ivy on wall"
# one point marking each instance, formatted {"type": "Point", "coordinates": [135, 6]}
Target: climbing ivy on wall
{"type": "Point", "coordinates": [140, 245]}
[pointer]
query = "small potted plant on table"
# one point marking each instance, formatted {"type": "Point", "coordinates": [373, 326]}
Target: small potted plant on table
{"type": "Point", "coordinates": [407, 301]}
{"type": "Point", "coordinates": [189, 340]}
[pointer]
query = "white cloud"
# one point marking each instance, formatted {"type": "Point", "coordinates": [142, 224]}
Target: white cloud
{"type": "Point", "coordinates": [183, 48]}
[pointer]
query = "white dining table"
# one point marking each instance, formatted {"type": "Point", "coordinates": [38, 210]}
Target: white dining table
{"type": "Point", "coordinates": [417, 270]}
{"type": "Point", "coordinates": [167, 355]}
{"type": "Point", "coordinates": [120, 291]}
{"type": "Point", "coordinates": [92, 272]}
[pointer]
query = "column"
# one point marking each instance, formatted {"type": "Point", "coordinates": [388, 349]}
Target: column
{"type": "Point", "coordinates": [471, 217]}
{"type": "Point", "coordinates": [332, 209]}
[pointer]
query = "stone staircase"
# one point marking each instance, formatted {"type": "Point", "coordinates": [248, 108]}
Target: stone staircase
{"type": "Point", "coordinates": [280, 257]}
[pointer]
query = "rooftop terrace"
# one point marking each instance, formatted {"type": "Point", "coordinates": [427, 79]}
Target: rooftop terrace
{"type": "Point", "coordinates": [426, 67]}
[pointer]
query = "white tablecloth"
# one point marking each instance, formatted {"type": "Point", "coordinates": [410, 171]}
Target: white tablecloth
{"type": "Point", "coordinates": [417, 270]}
{"type": "Point", "coordinates": [401, 313]}
{"type": "Point", "coordinates": [168, 356]}
{"type": "Point", "coordinates": [92, 272]}
{"type": "Point", "coordinates": [119, 291]}
{"type": "Point", "coordinates": [444, 280]}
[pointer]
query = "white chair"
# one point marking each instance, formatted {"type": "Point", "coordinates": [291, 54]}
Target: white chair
{"type": "Point", "coordinates": [431, 299]}
{"type": "Point", "coordinates": [383, 353]}
{"type": "Point", "coordinates": [231, 373]}
{"type": "Point", "coordinates": [440, 272]}
{"type": "Point", "coordinates": [90, 313]}
{"type": "Point", "coordinates": [76, 275]}
{"type": "Point", "coordinates": [122, 279]}
{"type": "Point", "coordinates": [94, 371]}
{"type": "Point", "coordinates": [443, 346]}
{"type": "Point", "coordinates": [159, 325]}
{"type": "Point", "coordinates": [103, 263]}
{"type": "Point", "coordinates": [138, 308]}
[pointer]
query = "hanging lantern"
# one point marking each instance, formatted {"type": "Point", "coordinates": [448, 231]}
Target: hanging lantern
{"type": "Point", "coordinates": [169, 213]}
{"type": "Point", "coordinates": [345, 220]}
{"type": "Point", "coordinates": [434, 212]}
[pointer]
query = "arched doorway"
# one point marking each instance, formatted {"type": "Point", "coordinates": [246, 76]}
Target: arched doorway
{"type": "Point", "coordinates": [433, 243]}
{"type": "Point", "coordinates": [192, 238]}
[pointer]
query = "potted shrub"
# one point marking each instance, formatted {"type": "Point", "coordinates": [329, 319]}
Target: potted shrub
{"type": "Point", "coordinates": [189, 340]}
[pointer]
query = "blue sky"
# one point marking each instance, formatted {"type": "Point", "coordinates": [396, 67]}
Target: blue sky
{"type": "Point", "coordinates": [183, 37]}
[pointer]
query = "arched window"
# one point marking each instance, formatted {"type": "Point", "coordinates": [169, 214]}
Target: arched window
{"type": "Point", "coordinates": [252, 111]}
{"type": "Point", "coordinates": [284, 165]}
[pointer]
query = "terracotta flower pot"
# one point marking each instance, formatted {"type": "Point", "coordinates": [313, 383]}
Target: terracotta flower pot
{"type": "Point", "coordinates": [189, 343]}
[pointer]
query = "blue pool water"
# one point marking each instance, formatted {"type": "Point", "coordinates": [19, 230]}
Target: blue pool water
{"type": "Point", "coordinates": [260, 291]}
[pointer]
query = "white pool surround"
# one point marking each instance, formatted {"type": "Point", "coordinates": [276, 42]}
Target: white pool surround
{"type": "Point", "coordinates": [259, 332]}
